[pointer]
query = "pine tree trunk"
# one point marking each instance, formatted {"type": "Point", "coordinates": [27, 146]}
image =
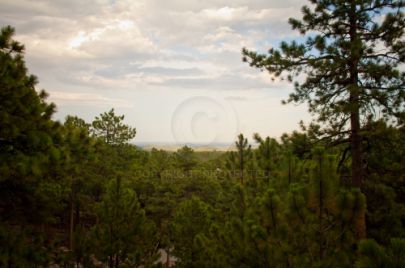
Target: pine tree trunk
{"type": "Point", "coordinates": [357, 173]}
{"type": "Point", "coordinates": [355, 137]}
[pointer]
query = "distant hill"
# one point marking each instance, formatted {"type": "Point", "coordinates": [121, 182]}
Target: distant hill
{"type": "Point", "coordinates": [203, 147]}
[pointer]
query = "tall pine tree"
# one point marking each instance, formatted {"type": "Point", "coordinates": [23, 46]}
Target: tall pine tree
{"type": "Point", "coordinates": [350, 63]}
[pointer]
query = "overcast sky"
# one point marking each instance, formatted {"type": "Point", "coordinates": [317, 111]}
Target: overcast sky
{"type": "Point", "coordinates": [173, 67]}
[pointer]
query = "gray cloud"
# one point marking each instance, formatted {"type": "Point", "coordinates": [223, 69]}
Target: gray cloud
{"type": "Point", "coordinates": [100, 40]}
{"type": "Point", "coordinates": [87, 51]}
{"type": "Point", "coordinates": [167, 72]}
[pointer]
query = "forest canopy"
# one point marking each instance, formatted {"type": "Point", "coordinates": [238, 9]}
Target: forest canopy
{"type": "Point", "coordinates": [332, 194]}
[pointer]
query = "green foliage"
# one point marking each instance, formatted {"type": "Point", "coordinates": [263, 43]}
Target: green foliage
{"type": "Point", "coordinates": [239, 160]}
{"type": "Point", "coordinates": [185, 159]}
{"type": "Point", "coordinates": [385, 186]}
{"type": "Point", "coordinates": [29, 140]}
{"type": "Point", "coordinates": [300, 144]}
{"type": "Point", "coordinates": [80, 195]}
{"type": "Point", "coordinates": [159, 161]}
{"type": "Point", "coordinates": [344, 38]}
{"type": "Point", "coordinates": [350, 60]}
{"type": "Point", "coordinates": [309, 223]}
{"type": "Point", "coordinates": [123, 234]}
{"type": "Point", "coordinates": [375, 256]}
{"type": "Point", "coordinates": [76, 122]}
{"type": "Point", "coordinates": [191, 220]}
{"type": "Point", "coordinates": [111, 130]}
{"type": "Point", "coordinates": [267, 155]}
{"type": "Point", "coordinates": [21, 247]}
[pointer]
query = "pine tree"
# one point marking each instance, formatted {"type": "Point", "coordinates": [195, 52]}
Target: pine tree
{"type": "Point", "coordinates": [267, 155]}
{"type": "Point", "coordinates": [192, 219]}
{"type": "Point", "coordinates": [28, 137]}
{"type": "Point", "coordinates": [185, 159]}
{"type": "Point", "coordinates": [80, 148]}
{"type": "Point", "coordinates": [385, 185]}
{"type": "Point", "coordinates": [375, 256]}
{"type": "Point", "coordinates": [124, 236]}
{"type": "Point", "coordinates": [159, 161]}
{"type": "Point", "coordinates": [110, 128]}
{"type": "Point", "coordinates": [77, 122]}
{"type": "Point", "coordinates": [240, 159]}
{"type": "Point", "coordinates": [322, 216]}
{"type": "Point", "coordinates": [350, 61]}
{"type": "Point", "coordinates": [32, 153]}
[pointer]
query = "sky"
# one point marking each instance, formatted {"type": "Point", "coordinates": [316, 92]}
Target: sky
{"type": "Point", "coordinates": [172, 67]}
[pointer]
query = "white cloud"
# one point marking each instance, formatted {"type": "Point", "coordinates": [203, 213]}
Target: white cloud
{"type": "Point", "coordinates": [101, 53]}
{"type": "Point", "coordinates": [66, 98]}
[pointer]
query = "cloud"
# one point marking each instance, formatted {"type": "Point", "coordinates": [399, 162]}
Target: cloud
{"type": "Point", "coordinates": [98, 41]}
{"type": "Point", "coordinates": [64, 98]}
{"type": "Point", "coordinates": [102, 53]}
{"type": "Point", "coordinates": [236, 98]}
